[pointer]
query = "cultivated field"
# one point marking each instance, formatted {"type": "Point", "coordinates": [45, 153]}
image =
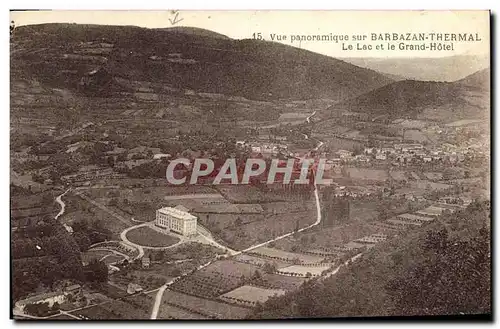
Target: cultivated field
{"type": "Point", "coordinates": [78, 209]}
{"type": "Point", "coordinates": [276, 281]}
{"type": "Point", "coordinates": [94, 254]}
{"type": "Point", "coordinates": [250, 295]}
{"type": "Point", "coordinates": [129, 308]}
{"type": "Point", "coordinates": [216, 279]}
{"type": "Point", "coordinates": [252, 194]}
{"type": "Point", "coordinates": [398, 175]}
{"type": "Point", "coordinates": [367, 174]}
{"type": "Point", "coordinates": [196, 307]}
{"type": "Point", "coordinates": [304, 270]}
{"type": "Point", "coordinates": [272, 253]}
{"type": "Point", "coordinates": [258, 261]}
{"type": "Point", "coordinates": [423, 184]}
{"type": "Point", "coordinates": [330, 239]}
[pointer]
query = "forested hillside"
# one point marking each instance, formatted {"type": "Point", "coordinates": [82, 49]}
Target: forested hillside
{"type": "Point", "coordinates": [443, 269]}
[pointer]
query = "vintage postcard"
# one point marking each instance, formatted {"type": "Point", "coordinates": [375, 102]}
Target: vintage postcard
{"type": "Point", "coordinates": [222, 165]}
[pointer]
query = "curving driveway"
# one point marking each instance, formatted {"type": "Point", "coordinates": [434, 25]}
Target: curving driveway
{"type": "Point", "coordinates": [123, 236]}
{"type": "Point", "coordinates": [162, 289]}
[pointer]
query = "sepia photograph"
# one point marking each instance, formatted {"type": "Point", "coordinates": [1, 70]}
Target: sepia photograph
{"type": "Point", "coordinates": [250, 165]}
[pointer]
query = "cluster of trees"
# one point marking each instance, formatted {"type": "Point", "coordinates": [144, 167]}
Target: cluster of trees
{"type": "Point", "coordinates": [153, 169]}
{"type": "Point", "coordinates": [334, 209]}
{"type": "Point", "coordinates": [87, 233]}
{"type": "Point", "coordinates": [42, 309]}
{"type": "Point", "coordinates": [44, 259]}
{"type": "Point", "coordinates": [45, 253]}
{"type": "Point", "coordinates": [20, 140]}
{"type": "Point", "coordinates": [96, 272]}
{"type": "Point", "coordinates": [51, 147]}
{"type": "Point", "coordinates": [442, 270]}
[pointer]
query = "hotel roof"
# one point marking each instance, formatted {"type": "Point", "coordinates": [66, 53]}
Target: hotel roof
{"type": "Point", "coordinates": [176, 213]}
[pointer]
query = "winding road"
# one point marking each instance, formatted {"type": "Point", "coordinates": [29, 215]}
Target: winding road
{"type": "Point", "coordinates": [123, 236]}
{"type": "Point", "coordinates": [61, 203]}
{"type": "Point", "coordinates": [162, 289]}
{"type": "Point", "coordinates": [308, 119]}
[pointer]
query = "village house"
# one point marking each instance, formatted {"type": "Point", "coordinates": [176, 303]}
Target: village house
{"type": "Point", "coordinates": [415, 218]}
{"type": "Point", "coordinates": [91, 174]}
{"type": "Point", "coordinates": [362, 158]}
{"type": "Point", "coordinates": [344, 154]}
{"type": "Point", "coordinates": [159, 156]}
{"type": "Point", "coordinates": [50, 298]}
{"type": "Point", "coordinates": [403, 223]}
{"type": "Point", "coordinates": [146, 262]}
{"type": "Point", "coordinates": [74, 291]}
{"type": "Point", "coordinates": [386, 150]}
{"type": "Point", "coordinates": [408, 147]}
{"type": "Point", "coordinates": [133, 288]}
{"type": "Point", "coordinates": [432, 211]}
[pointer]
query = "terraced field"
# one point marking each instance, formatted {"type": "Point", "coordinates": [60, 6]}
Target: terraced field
{"type": "Point", "coordinates": [182, 306]}
{"type": "Point", "coordinates": [128, 308]}
{"type": "Point", "coordinates": [216, 279]}
{"type": "Point", "coordinates": [272, 253]}
{"type": "Point", "coordinates": [250, 295]}
{"type": "Point", "coordinates": [276, 281]}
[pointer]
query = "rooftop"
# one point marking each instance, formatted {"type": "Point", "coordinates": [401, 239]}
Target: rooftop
{"type": "Point", "coordinates": [176, 213]}
{"type": "Point", "coordinates": [38, 298]}
{"type": "Point", "coordinates": [397, 221]}
{"type": "Point", "coordinates": [432, 210]}
{"type": "Point", "coordinates": [415, 217]}
{"type": "Point", "coordinates": [73, 287]}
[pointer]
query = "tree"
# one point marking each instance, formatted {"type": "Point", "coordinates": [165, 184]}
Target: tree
{"type": "Point", "coordinates": [56, 307]}
{"type": "Point", "coordinates": [269, 268]}
{"type": "Point", "coordinates": [38, 309]}
{"type": "Point", "coordinates": [176, 272]}
{"type": "Point", "coordinates": [82, 240]}
{"type": "Point", "coordinates": [304, 240]}
{"type": "Point", "coordinates": [111, 161]}
{"type": "Point", "coordinates": [96, 271]}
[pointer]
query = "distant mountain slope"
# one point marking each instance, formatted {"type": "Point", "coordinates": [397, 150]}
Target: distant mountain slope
{"type": "Point", "coordinates": [480, 80]}
{"type": "Point", "coordinates": [426, 69]}
{"type": "Point", "coordinates": [60, 55]}
{"type": "Point", "coordinates": [195, 31]}
{"type": "Point", "coordinates": [411, 97]}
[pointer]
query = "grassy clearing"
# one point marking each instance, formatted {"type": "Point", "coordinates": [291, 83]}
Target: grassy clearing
{"type": "Point", "coordinates": [146, 236]}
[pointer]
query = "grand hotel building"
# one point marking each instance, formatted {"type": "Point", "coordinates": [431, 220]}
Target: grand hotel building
{"type": "Point", "coordinates": [177, 220]}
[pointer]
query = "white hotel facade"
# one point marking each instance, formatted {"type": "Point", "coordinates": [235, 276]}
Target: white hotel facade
{"type": "Point", "coordinates": [176, 220]}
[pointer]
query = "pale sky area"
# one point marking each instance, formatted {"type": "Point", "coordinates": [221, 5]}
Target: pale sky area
{"type": "Point", "coordinates": [242, 24]}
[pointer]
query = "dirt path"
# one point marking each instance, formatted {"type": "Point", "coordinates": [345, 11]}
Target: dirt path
{"type": "Point", "coordinates": [123, 236]}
